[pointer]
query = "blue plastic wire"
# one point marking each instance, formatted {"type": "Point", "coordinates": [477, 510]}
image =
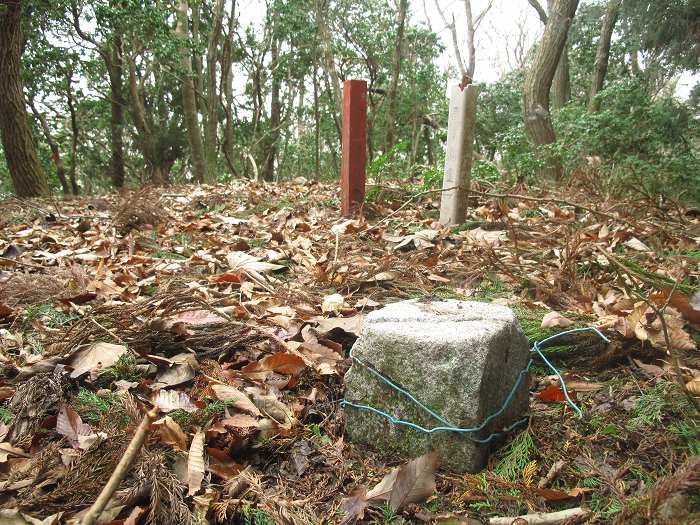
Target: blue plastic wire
{"type": "Point", "coordinates": [449, 427]}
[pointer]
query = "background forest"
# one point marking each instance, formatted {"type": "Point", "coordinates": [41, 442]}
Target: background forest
{"type": "Point", "coordinates": [126, 93]}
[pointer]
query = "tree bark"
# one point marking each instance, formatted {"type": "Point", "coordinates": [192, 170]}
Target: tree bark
{"type": "Point", "coordinates": [275, 106]}
{"type": "Point", "coordinates": [115, 70]}
{"type": "Point", "coordinates": [329, 62]}
{"type": "Point", "coordinates": [227, 90]}
{"type": "Point", "coordinates": [111, 53]}
{"type": "Point", "coordinates": [189, 103]}
{"type": "Point", "coordinates": [28, 177]}
{"type": "Point", "coordinates": [561, 84]}
{"type": "Point", "coordinates": [53, 145]}
{"type": "Point", "coordinates": [147, 142]}
{"type": "Point", "coordinates": [471, 65]}
{"type": "Point", "coordinates": [74, 133]}
{"type": "Point", "coordinates": [317, 127]}
{"type": "Point", "coordinates": [538, 81]}
{"type": "Point", "coordinates": [211, 121]}
{"type": "Point", "coordinates": [390, 119]}
{"type": "Point", "coordinates": [602, 55]}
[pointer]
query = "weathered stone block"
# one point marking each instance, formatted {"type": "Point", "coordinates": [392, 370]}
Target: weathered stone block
{"type": "Point", "coordinates": [459, 358]}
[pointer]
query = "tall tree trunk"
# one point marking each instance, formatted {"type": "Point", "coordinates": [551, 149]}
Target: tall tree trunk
{"type": "Point", "coordinates": [189, 103]}
{"type": "Point", "coordinates": [275, 111]}
{"type": "Point", "coordinates": [74, 133]}
{"type": "Point", "coordinates": [227, 90]}
{"type": "Point", "coordinates": [147, 142]}
{"type": "Point", "coordinates": [28, 177]}
{"type": "Point", "coordinates": [115, 70]}
{"type": "Point", "coordinates": [55, 151]}
{"type": "Point", "coordinates": [428, 144]}
{"type": "Point", "coordinates": [561, 84]}
{"type": "Point", "coordinates": [196, 58]}
{"type": "Point", "coordinates": [538, 81]}
{"type": "Point", "coordinates": [390, 122]}
{"type": "Point", "coordinates": [212, 120]}
{"type": "Point", "coordinates": [317, 127]}
{"type": "Point", "coordinates": [602, 55]}
{"type": "Point", "coordinates": [329, 61]}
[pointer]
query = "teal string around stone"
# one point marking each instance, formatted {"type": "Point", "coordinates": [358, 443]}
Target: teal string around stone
{"type": "Point", "coordinates": [449, 427]}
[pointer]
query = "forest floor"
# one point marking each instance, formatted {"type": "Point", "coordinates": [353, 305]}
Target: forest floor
{"type": "Point", "coordinates": [230, 309]}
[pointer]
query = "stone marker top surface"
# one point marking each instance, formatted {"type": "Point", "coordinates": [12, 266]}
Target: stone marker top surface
{"type": "Point", "coordinates": [442, 321]}
{"type": "Point", "coordinates": [450, 310]}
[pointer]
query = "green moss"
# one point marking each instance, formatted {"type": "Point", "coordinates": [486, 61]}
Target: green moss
{"type": "Point", "coordinates": [468, 225]}
{"type": "Point", "coordinates": [183, 418]}
{"type": "Point", "coordinates": [126, 368]}
{"type": "Point", "coordinates": [6, 416]}
{"type": "Point", "coordinates": [491, 288]}
{"type": "Point", "coordinates": [47, 314]}
{"type": "Point", "coordinates": [90, 406]}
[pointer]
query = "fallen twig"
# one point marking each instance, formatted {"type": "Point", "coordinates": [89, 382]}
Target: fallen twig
{"type": "Point", "coordinates": [545, 518]}
{"type": "Point", "coordinates": [553, 471]}
{"type": "Point", "coordinates": [121, 469]}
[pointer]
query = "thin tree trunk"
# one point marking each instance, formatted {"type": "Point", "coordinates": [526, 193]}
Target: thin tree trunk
{"type": "Point", "coordinates": [74, 133]}
{"type": "Point", "coordinates": [455, 44]}
{"type": "Point", "coordinates": [538, 81]}
{"type": "Point", "coordinates": [428, 145]}
{"type": "Point", "coordinates": [196, 58]}
{"type": "Point", "coordinates": [634, 61]}
{"type": "Point", "coordinates": [602, 56]}
{"type": "Point", "coordinates": [189, 102]}
{"type": "Point", "coordinates": [471, 65]}
{"type": "Point", "coordinates": [147, 142]}
{"type": "Point", "coordinates": [561, 84]}
{"type": "Point", "coordinates": [55, 152]}
{"type": "Point", "coordinates": [28, 177]}
{"type": "Point", "coordinates": [275, 110]}
{"type": "Point", "coordinates": [227, 81]}
{"type": "Point", "coordinates": [211, 121]}
{"type": "Point", "coordinates": [329, 61]}
{"type": "Point", "coordinates": [115, 68]}
{"type": "Point", "coordinates": [317, 127]}
{"type": "Point", "coordinates": [390, 119]}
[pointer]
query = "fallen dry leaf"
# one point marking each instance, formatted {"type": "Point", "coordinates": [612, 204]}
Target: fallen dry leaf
{"type": "Point", "coordinates": [171, 433]}
{"type": "Point", "coordinates": [555, 319]}
{"type": "Point", "coordinates": [195, 464]}
{"type": "Point", "coordinates": [95, 357]}
{"type": "Point", "coordinates": [70, 425]}
{"type": "Point", "coordinates": [412, 482]}
{"type": "Point", "coordinates": [332, 304]}
{"type": "Point", "coordinates": [237, 398]}
{"type": "Point", "coordinates": [169, 400]}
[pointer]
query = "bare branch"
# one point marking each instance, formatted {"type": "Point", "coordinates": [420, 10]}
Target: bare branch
{"type": "Point", "coordinates": [540, 10]}
{"type": "Point", "coordinates": [455, 44]}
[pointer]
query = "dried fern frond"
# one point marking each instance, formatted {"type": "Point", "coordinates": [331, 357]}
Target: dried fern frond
{"type": "Point", "coordinates": [529, 472]}
{"type": "Point", "coordinates": [37, 397]}
{"type": "Point", "coordinates": [153, 479]}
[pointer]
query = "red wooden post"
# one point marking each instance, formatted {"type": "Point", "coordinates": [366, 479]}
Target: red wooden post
{"type": "Point", "coordinates": [354, 145]}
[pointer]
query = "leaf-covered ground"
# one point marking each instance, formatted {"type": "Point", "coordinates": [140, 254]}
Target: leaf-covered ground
{"type": "Point", "coordinates": [231, 310]}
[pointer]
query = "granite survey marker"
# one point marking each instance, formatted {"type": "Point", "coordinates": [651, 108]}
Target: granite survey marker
{"type": "Point", "coordinates": [459, 358]}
